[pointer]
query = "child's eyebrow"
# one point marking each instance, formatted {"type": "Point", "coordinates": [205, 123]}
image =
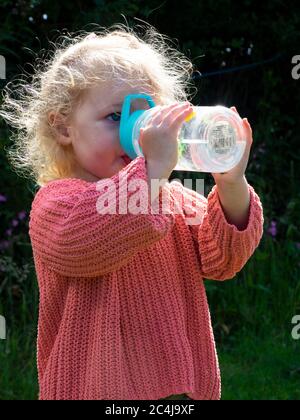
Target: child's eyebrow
{"type": "Point", "coordinates": [118, 105]}
{"type": "Point", "coordinates": [111, 106]}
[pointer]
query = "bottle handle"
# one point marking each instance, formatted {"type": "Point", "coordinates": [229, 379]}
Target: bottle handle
{"type": "Point", "coordinates": [128, 120]}
{"type": "Point", "coordinates": [129, 98]}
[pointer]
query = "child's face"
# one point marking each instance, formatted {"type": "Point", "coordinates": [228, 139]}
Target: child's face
{"type": "Point", "coordinates": [94, 131]}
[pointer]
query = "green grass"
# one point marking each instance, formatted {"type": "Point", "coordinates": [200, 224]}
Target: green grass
{"type": "Point", "coordinates": [19, 305]}
{"type": "Point", "coordinates": [18, 379]}
{"type": "Point", "coordinates": [261, 368]}
{"type": "Point", "coordinates": [251, 317]}
{"type": "Point", "coordinates": [252, 368]}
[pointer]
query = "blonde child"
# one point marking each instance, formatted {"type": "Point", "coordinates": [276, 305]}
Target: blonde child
{"type": "Point", "coordinates": [123, 312]}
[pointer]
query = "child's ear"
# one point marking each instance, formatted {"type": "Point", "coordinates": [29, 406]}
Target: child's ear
{"type": "Point", "coordinates": [58, 122]}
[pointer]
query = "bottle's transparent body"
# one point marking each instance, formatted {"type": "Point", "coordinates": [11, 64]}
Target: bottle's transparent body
{"type": "Point", "coordinates": [211, 140]}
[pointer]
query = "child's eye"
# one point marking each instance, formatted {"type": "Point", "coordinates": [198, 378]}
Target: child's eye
{"type": "Point", "coordinates": [117, 114]}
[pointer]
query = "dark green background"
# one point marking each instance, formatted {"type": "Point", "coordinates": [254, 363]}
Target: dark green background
{"type": "Point", "coordinates": [251, 314]}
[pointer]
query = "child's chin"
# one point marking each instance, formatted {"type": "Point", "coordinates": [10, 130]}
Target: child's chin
{"type": "Point", "coordinates": [126, 159]}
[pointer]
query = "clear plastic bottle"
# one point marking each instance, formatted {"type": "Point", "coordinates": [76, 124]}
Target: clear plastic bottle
{"type": "Point", "coordinates": [212, 139]}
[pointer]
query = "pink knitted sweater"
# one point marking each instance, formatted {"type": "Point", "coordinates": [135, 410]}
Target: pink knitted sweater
{"type": "Point", "coordinates": [123, 311]}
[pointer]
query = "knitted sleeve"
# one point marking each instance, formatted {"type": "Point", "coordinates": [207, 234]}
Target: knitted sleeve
{"type": "Point", "coordinates": [223, 248]}
{"type": "Point", "coordinates": [72, 233]}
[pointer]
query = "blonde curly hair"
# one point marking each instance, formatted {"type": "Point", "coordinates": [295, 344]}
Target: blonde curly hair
{"type": "Point", "coordinates": [58, 83]}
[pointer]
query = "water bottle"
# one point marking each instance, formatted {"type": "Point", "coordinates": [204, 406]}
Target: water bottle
{"type": "Point", "coordinates": [211, 139]}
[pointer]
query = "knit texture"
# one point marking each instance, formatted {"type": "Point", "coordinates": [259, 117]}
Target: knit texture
{"type": "Point", "coordinates": [123, 312]}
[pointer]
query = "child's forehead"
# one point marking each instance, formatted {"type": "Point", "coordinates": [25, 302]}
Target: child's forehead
{"type": "Point", "coordinates": [114, 95]}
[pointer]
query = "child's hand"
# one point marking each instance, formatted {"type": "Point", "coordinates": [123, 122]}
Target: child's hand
{"type": "Point", "coordinates": [159, 138]}
{"type": "Point", "coordinates": [237, 173]}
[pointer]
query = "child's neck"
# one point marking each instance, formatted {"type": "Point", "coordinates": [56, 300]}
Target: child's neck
{"type": "Point", "coordinates": [84, 175]}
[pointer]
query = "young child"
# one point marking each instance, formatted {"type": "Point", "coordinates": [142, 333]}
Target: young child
{"type": "Point", "coordinates": [123, 312]}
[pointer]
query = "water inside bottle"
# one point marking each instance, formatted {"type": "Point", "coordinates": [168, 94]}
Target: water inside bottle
{"type": "Point", "coordinates": [194, 155]}
{"type": "Point", "coordinates": [209, 144]}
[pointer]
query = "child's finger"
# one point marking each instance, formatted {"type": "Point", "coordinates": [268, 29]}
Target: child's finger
{"type": "Point", "coordinates": [249, 129]}
{"type": "Point", "coordinates": [163, 110]}
{"type": "Point", "coordinates": [179, 119]}
{"type": "Point", "coordinates": [246, 122]}
{"type": "Point", "coordinates": [177, 109]}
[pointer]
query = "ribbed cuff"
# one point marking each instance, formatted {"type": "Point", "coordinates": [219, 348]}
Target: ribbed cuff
{"type": "Point", "coordinates": [221, 226]}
